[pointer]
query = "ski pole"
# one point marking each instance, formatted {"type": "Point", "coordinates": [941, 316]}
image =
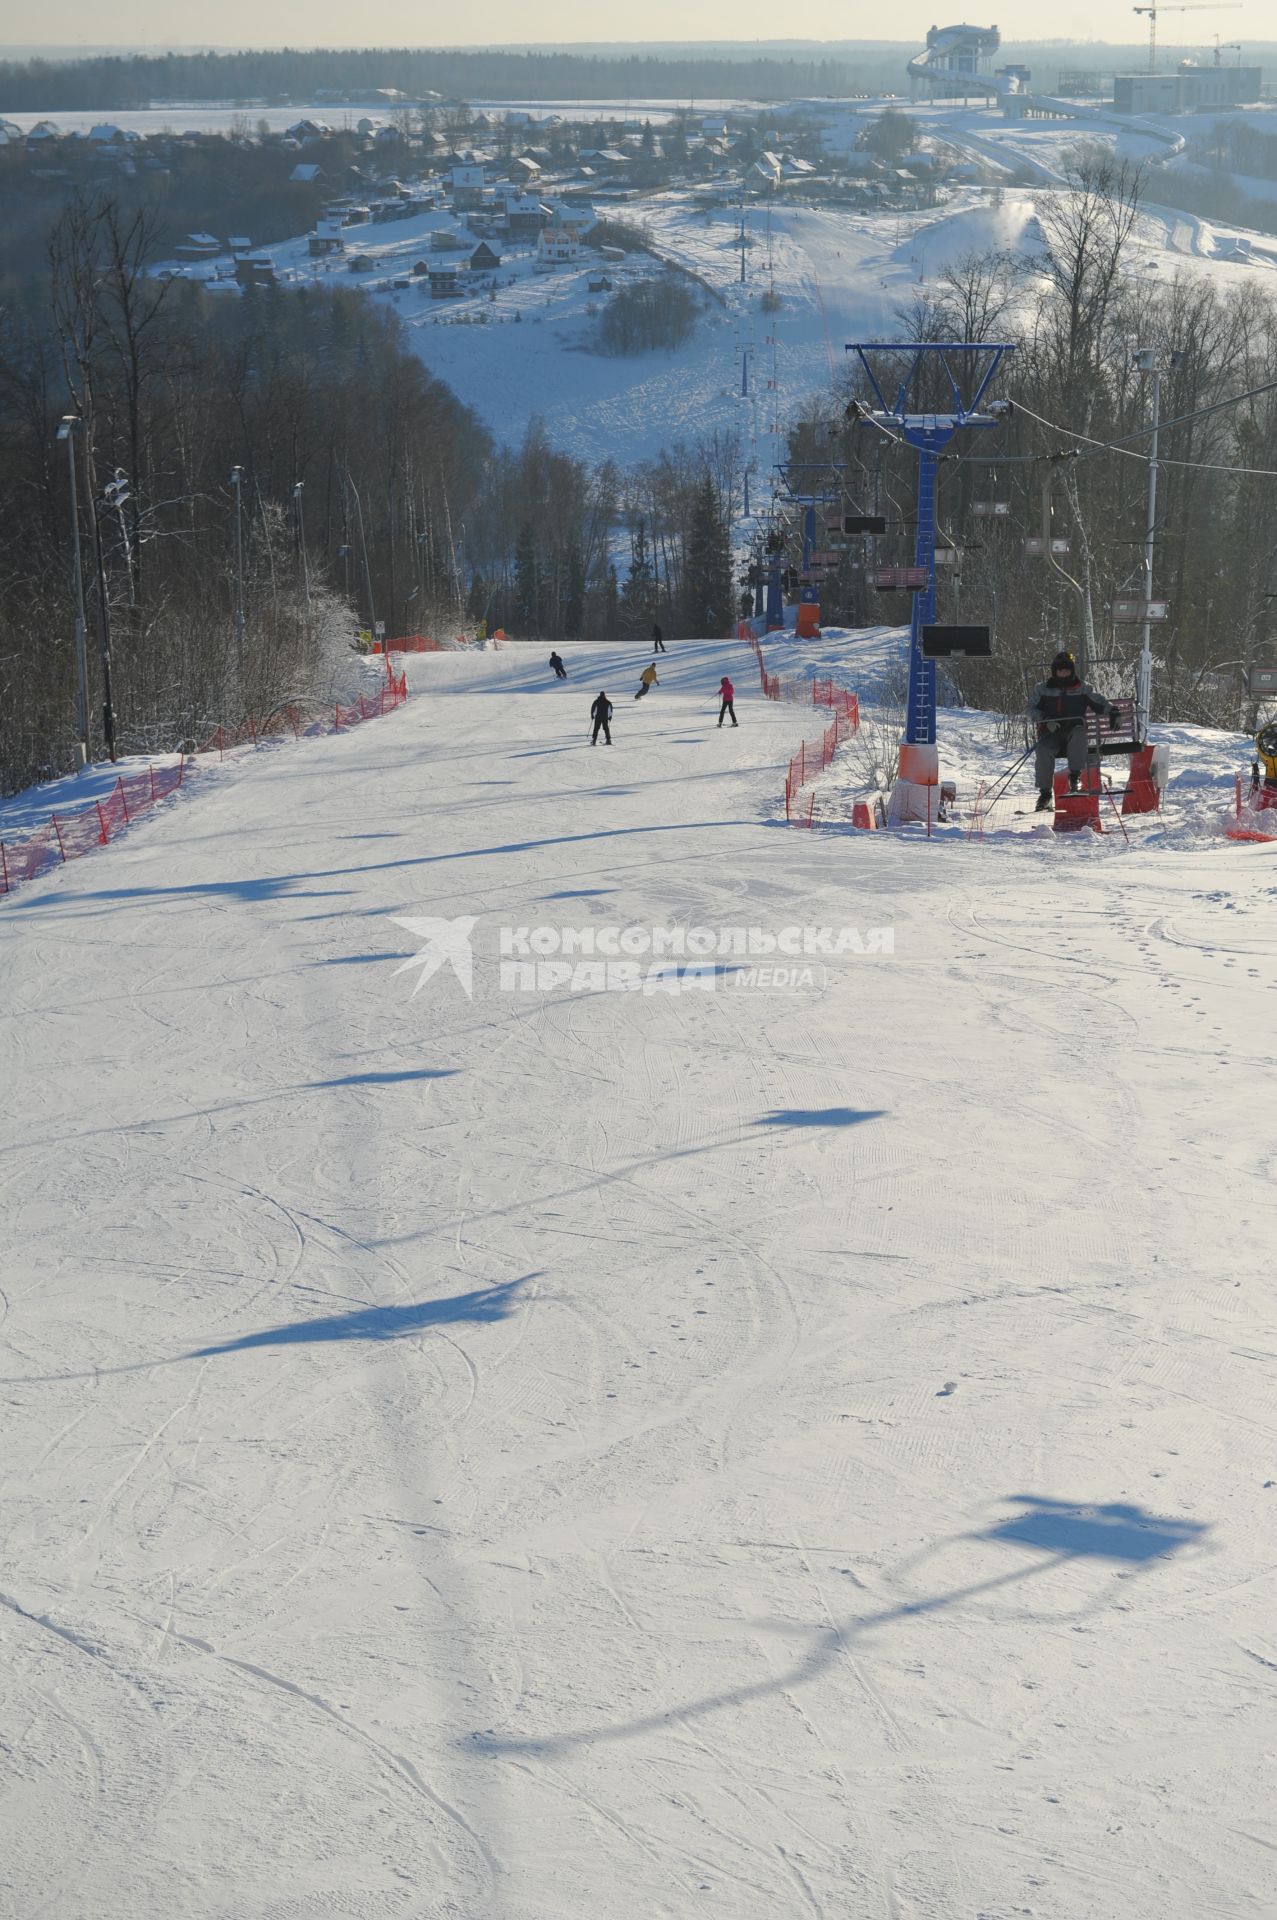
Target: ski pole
{"type": "Point", "coordinates": [1004, 780]}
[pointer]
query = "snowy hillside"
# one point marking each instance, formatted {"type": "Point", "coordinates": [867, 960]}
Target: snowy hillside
{"type": "Point", "coordinates": [741, 1446]}
{"type": "Point", "coordinates": [839, 275]}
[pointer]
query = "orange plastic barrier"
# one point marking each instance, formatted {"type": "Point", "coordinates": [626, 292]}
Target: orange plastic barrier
{"type": "Point", "coordinates": [65, 836]}
{"type": "Point", "coordinates": [812, 757]}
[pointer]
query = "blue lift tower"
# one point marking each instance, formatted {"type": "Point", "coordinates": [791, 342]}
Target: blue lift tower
{"type": "Point", "coordinates": [904, 378]}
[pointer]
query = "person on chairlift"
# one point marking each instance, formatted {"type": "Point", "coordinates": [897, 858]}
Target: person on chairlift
{"type": "Point", "coordinates": [1060, 705]}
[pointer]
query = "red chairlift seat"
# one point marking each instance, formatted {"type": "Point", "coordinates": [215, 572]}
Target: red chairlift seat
{"type": "Point", "coordinates": [898, 579]}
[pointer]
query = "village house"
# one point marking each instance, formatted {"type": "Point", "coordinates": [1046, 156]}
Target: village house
{"type": "Point", "coordinates": [467, 187]}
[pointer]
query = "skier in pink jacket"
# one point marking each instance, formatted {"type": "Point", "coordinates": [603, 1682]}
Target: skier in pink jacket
{"type": "Point", "coordinates": [728, 693]}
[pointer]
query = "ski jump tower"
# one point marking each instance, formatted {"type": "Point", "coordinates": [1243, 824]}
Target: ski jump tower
{"type": "Point", "coordinates": [956, 61]}
{"type": "Point", "coordinates": [958, 375]}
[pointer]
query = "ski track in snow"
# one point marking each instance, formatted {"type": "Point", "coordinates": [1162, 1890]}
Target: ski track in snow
{"type": "Point", "coordinates": [589, 1456]}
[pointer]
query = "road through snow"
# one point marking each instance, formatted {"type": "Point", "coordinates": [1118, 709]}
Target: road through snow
{"type": "Point", "coordinates": [607, 1456]}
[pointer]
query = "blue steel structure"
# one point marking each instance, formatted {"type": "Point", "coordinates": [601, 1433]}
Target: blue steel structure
{"type": "Point", "coordinates": [801, 494]}
{"type": "Point", "coordinates": [928, 434]}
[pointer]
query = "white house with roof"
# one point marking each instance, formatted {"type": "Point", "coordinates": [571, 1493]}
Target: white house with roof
{"type": "Point", "coordinates": [578, 219]}
{"type": "Point", "coordinates": [557, 246]}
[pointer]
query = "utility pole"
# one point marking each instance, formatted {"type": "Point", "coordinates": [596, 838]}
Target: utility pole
{"type": "Point", "coordinates": [1149, 360]}
{"type": "Point", "coordinates": [301, 541]}
{"type": "Point", "coordinates": [104, 606]}
{"type": "Point", "coordinates": [70, 426]}
{"type": "Point", "coordinates": [1144, 677]}
{"type": "Point", "coordinates": [237, 481]}
{"type": "Point", "coordinates": [363, 544]}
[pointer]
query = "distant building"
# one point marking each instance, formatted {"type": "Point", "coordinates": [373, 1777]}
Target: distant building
{"type": "Point", "coordinates": [304, 174]}
{"type": "Point", "coordinates": [484, 259]}
{"type": "Point", "coordinates": [523, 216]}
{"type": "Point", "coordinates": [327, 237]}
{"type": "Point", "coordinates": [445, 281]}
{"type": "Point", "coordinates": [524, 172]}
{"type": "Point", "coordinates": [1187, 90]}
{"type": "Point", "coordinates": [467, 187]}
{"type": "Point", "coordinates": [557, 246]}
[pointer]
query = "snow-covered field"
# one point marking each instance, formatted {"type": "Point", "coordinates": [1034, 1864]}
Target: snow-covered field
{"type": "Point", "coordinates": [597, 1455]}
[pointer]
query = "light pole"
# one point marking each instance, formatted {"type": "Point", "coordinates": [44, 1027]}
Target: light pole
{"type": "Point", "coordinates": [1149, 360]}
{"type": "Point", "coordinates": [237, 481]}
{"type": "Point", "coordinates": [363, 545]}
{"type": "Point", "coordinates": [69, 427]}
{"type": "Point", "coordinates": [301, 541]}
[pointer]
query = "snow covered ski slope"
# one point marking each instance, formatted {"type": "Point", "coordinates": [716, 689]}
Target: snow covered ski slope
{"type": "Point", "coordinates": [554, 1453]}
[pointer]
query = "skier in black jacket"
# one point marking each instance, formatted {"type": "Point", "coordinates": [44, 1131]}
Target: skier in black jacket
{"type": "Point", "coordinates": [1060, 705]}
{"type": "Point", "coordinates": [560, 671]}
{"type": "Point", "coordinates": [601, 714]}
{"type": "Point", "coordinates": [658, 638]}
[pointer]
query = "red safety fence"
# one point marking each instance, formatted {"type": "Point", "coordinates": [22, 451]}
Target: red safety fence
{"type": "Point", "coordinates": [421, 643]}
{"type": "Point", "coordinates": [813, 756]}
{"type": "Point", "coordinates": [65, 836]}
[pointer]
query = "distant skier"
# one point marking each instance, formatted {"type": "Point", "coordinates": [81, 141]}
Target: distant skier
{"type": "Point", "coordinates": [647, 680]}
{"type": "Point", "coordinates": [601, 714]}
{"type": "Point", "coordinates": [560, 671]}
{"type": "Point", "coordinates": [727, 693]}
{"type": "Point", "coordinates": [1060, 705]}
{"type": "Point", "coordinates": [658, 639]}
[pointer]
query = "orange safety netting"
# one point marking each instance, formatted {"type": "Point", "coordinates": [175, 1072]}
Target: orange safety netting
{"type": "Point", "coordinates": [813, 756]}
{"type": "Point", "coordinates": [65, 836]}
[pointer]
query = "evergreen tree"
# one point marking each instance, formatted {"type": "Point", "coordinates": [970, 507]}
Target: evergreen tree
{"type": "Point", "coordinates": [709, 596]}
{"type": "Point", "coordinates": [527, 582]}
{"type": "Point", "coordinates": [573, 590]}
{"type": "Point", "coordinates": [638, 599]}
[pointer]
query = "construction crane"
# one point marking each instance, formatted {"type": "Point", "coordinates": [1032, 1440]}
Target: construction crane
{"type": "Point", "coordinates": [1229, 46]}
{"type": "Point", "coordinates": [1191, 6]}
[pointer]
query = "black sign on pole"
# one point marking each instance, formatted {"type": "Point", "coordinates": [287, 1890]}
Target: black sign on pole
{"type": "Point", "coordinates": [864, 523]}
{"type": "Point", "coordinates": [971, 643]}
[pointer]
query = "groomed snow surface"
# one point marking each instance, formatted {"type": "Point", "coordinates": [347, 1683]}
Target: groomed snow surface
{"type": "Point", "coordinates": [604, 1455]}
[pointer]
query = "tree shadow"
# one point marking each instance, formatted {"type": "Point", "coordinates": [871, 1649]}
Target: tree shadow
{"type": "Point", "coordinates": [380, 1323]}
{"type": "Point", "coordinates": [820, 1116]}
{"type": "Point", "coordinates": [389, 1079]}
{"type": "Point", "coordinates": [1063, 1532]}
{"type": "Point", "coordinates": [484, 1304]}
{"type": "Point", "coordinates": [370, 1079]}
{"type": "Point", "coordinates": [359, 959]}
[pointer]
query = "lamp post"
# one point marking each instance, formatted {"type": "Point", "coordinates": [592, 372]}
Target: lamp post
{"type": "Point", "coordinates": [363, 546]}
{"type": "Point", "coordinates": [237, 481]}
{"type": "Point", "coordinates": [67, 430]}
{"type": "Point", "coordinates": [301, 541]}
{"type": "Point", "coordinates": [1150, 360]}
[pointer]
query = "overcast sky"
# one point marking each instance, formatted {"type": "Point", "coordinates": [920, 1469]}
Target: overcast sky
{"type": "Point", "coordinates": [408, 23]}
